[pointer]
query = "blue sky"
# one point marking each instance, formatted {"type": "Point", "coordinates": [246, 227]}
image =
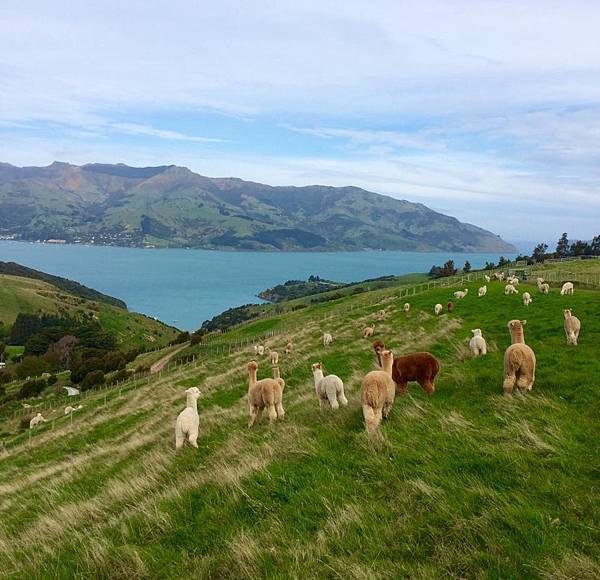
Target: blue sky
{"type": "Point", "coordinates": [488, 111]}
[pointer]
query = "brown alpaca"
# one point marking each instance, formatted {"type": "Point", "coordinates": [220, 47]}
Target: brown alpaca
{"type": "Point", "coordinates": [263, 394]}
{"type": "Point", "coordinates": [378, 392]}
{"type": "Point", "coordinates": [450, 306]}
{"type": "Point", "coordinates": [378, 346]}
{"type": "Point", "coordinates": [519, 360]}
{"type": "Point", "coordinates": [368, 331]}
{"type": "Point", "coordinates": [421, 367]}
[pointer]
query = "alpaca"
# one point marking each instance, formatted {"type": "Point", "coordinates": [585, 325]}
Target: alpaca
{"type": "Point", "coordinates": [255, 349]}
{"type": "Point", "coordinates": [450, 306]}
{"type": "Point", "coordinates": [264, 394]}
{"type": "Point", "coordinates": [477, 344]}
{"type": "Point", "coordinates": [274, 355]}
{"type": "Point", "coordinates": [510, 289]}
{"type": "Point", "coordinates": [486, 278]}
{"type": "Point", "coordinates": [482, 291]}
{"type": "Point", "coordinates": [260, 350]}
{"type": "Point", "coordinates": [69, 410]}
{"type": "Point", "coordinates": [368, 331]}
{"type": "Point", "coordinates": [329, 389]}
{"type": "Point", "coordinates": [543, 287]}
{"type": "Point", "coordinates": [421, 367]}
{"type": "Point", "coordinates": [186, 426]}
{"type": "Point", "coordinates": [437, 309]}
{"type": "Point", "coordinates": [567, 288]}
{"type": "Point", "coordinates": [406, 307]}
{"type": "Point", "coordinates": [327, 339]}
{"type": "Point", "coordinates": [513, 280]}
{"type": "Point", "coordinates": [499, 276]}
{"type": "Point", "coordinates": [382, 315]}
{"type": "Point", "coordinates": [572, 327]}
{"type": "Point", "coordinates": [519, 360]}
{"type": "Point", "coordinates": [378, 347]}
{"type": "Point", "coordinates": [37, 420]}
{"type": "Point", "coordinates": [527, 299]}
{"type": "Point", "coordinates": [378, 393]}
{"type": "Point", "coordinates": [277, 377]}
{"type": "Point", "coordinates": [288, 348]}
{"type": "Point", "coordinates": [460, 294]}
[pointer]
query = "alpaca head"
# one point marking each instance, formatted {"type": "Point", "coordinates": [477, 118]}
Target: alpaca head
{"type": "Point", "coordinates": [252, 366]}
{"type": "Point", "coordinates": [317, 368]}
{"type": "Point", "coordinates": [567, 313]}
{"type": "Point", "coordinates": [476, 332]}
{"type": "Point", "coordinates": [39, 415]}
{"type": "Point", "coordinates": [193, 393]}
{"type": "Point", "coordinates": [466, 290]}
{"type": "Point", "coordinates": [387, 360]}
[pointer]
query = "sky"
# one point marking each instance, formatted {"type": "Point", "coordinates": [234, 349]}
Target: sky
{"type": "Point", "coordinates": [485, 110]}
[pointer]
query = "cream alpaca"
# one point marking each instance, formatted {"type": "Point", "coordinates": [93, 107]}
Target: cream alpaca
{"type": "Point", "coordinates": [37, 420]}
{"type": "Point", "coordinates": [264, 394]}
{"type": "Point", "coordinates": [460, 294]}
{"type": "Point", "coordinates": [486, 278]}
{"type": "Point", "coordinates": [368, 331]}
{"type": "Point", "coordinates": [260, 350]}
{"type": "Point", "coordinates": [329, 389]}
{"type": "Point", "coordinates": [527, 300]}
{"type": "Point", "coordinates": [519, 361]}
{"type": "Point", "coordinates": [572, 327]}
{"type": "Point", "coordinates": [378, 392]}
{"type": "Point", "coordinates": [482, 291]}
{"type": "Point", "coordinates": [510, 289]}
{"type": "Point", "coordinates": [567, 288]}
{"type": "Point", "coordinates": [406, 307]}
{"type": "Point", "coordinates": [477, 344]}
{"type": "Point", "coordinates": [327, 339]}
{"type": "Point", "coordinates": [543, 287]}
{"type": "Point", "coordinates": [274, 357]}
{"type": "Point", "coordinates": [288, 348]}
{"type": "Point", "coordinates": [188, 421]}
{"type": "Point", "coordinates": [437, 309]}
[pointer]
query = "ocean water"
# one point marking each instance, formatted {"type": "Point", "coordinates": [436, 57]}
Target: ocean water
{"type": "Point", "coordinates": [186, 287]}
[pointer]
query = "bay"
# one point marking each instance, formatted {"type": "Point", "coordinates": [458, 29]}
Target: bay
{"type": "Point", "coordinates": [185, 287]}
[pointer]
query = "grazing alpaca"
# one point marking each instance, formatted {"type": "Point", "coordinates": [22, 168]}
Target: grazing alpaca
{"type": "Point", "coordinates": [477, 344]}
{"type": "Point", "coordinates": [329, 389]}
{"type": "Point", "coordinates": [274, 357]}
{"type": "Point", "coordinates": [260, 350]}
{"type": "Point", "coordinates": [186, 426]}
{"type": "Point", "coordinates": [460, 294]}
{"type": "Point", "coordinates": [378, 393]}
{"type": "Point", "coordinates": [450, 306]}
{"type": "Point", "coordinates": [519, 361]}
{"type": "Point", "coordinates": [288, 348]}
{"type": "Point", "coordinates": [486, 278]}
{"type": "Point", "coordinates": [69, 410]}
{"type": "Point", "coordinates": [572, 327]}
{"type": "Point", "coordinates": [542, 286]}
{"type": "Point", "coordinates": [264, 394]}
{"type": "Point", "coordinates": [482, 291]}
{"type": "Point", "coordinates": [406, 307]}
{"type": "Point", "coordinates": [510, 289]}
{"type": "Point", "coordinates": [567, 288]}
{"type": "Point", "coordinates": [421, 367]}
{"type": "Point", "coordinates": [37, 420]}
{"type": "Point", "coordinates": [437, 309]}
{"type": "Point", "coordinates": [499, 276]}
{"type": "Point", "coordinates": [327, 339]}
{"type": "Point", "coordinates": [368, 331]}
{"type": "Point", "coordinates": [527, 300]}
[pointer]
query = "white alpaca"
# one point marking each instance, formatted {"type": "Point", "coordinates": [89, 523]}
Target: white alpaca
{"type": "Point", "coordinates": [437, 309]}
{"type": "Point", "coordinates": [37, 420]}
{"type": "Point", "coordinates": [527, 300]}
{"type": "Point", "coordinates": [329, 389]}
{"type": "Point", "coordinates": [186, 426]}
{"type": "Point", "coordinates": [406, 307]}
{"type": "Point", "coordinates": [260, 350]}
{"type": "Point", "coordinates": [482, 291]}
{"type": "Point", "coordinates": [513, 280]}
{"type": "Point", "coordinates": [460, 294]}
{"type": "Point", "coordinates": [327, 339]}
{"type": "Point", "coordinates": [69, 410]}
{"type": "Point", "coordinates": [274, 357]}
{"type": "Point", "coordinates": [543, 287]}
{"type": "Point", "coordinates": [256, 349]}
{"type": "Point", "coordinates": [572, 327]}
{"type": "Point", "coordinates": [477, 344]}
{"type": "Point", "coordinates": [510, 289]}
{"type": "Point", "coordinates": [567, 288]}
{"type": "Point", "coordinates": [486, 278]}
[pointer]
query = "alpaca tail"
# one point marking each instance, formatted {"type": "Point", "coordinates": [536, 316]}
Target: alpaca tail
{"type": "Point", "coordinates": [371, 419]}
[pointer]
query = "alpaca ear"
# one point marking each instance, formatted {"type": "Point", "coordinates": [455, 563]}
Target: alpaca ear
{"type": "Point", "coordinates": [523, 322]}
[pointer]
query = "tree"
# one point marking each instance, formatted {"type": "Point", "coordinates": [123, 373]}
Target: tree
{"type": "Point", "coordinates": [580, 248]}
{"type": "Point", "coordinates": [503, 261]}
{"type": "Point", "coordinates": [562, 247]}
{"type": "Point", "coordinates": [539, 252]}
{"type": "Point", "coordinates": [32, 388]}
{"type": "Point", "coordinates": [467, 267]}
{"type": "Point", "coordinates": [2, 348]}
{"type": "Point", "coordinates": [92, 379]}
{"type": "Point", "coordinates": [489, 266]}
{"type": "Point", "coordinates": [596, 246]}
{"type": "Point", "coordinates": [31, 366]}
{"type": "Point", "coordinates": [5, 376]}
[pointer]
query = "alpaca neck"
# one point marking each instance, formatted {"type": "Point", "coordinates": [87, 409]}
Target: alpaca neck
{"type": "Point", "coordinates": [517, 336]}
{"type": "Point", "coordinates": [386, 364]}
{"type": "Point", "coordinates": [318, 374]}
{"type": "Point", "coordinates": [276, 374]}
{"type": "Point", "coordinates": [252, 376]}
{"type": "Point", "coordinates": [191, 401]}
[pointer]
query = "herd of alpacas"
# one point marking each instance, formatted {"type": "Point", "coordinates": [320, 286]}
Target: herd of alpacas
{"type": "Point", "coordinates": [380, 387]}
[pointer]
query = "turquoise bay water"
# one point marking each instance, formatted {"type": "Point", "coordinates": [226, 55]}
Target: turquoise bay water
{"type": "Point", "coordinates": [186, 287]}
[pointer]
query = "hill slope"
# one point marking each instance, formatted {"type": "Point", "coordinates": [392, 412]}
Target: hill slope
{"type": "Point", "coordinates": [172, 206]}
{"type": "Point", "coordinates": [466, 484]}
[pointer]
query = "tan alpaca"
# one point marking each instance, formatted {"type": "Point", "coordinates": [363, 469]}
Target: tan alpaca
{"type": "Point", "coordinates": [327, 339]}
{"type": "Point", "coordinates": [274, 358]}
{"type": "Point", "coordinates": [519, 360]}
{"type": "Point", "coordinates": [278, 378]}
{"type": "Point", "coordinates": [288, 348]}
{"type": "Point", "coordinates": [264, 394]}
{"type": "Point", "coordinates": [572, 327]}
{"type": "Point", "coordinates": [368, 331]}
{"type": "Point", "coordinates": [378, 392]}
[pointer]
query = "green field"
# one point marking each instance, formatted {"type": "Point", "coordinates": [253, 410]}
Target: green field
{"type": "Point", "coordinates": [465, 484]}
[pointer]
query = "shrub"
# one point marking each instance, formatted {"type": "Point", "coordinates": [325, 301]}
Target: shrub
{"type": "Point", "coordinates": [24, 423]}
{"type": "Point", "coordinates": [92, 379]}
{"type": "Point", "coordinates": [120, 376]}
{"type": "Point", "coordinates": [52, 380]}
{"type": "Point", "coordinates": [32, 388]}
{"type": "Point", "coordinates": [6, 376]}
{"type": "Point", "coordinates": [31, 366]}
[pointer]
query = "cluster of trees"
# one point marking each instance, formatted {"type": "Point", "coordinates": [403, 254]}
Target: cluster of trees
{"type": "Point", "coordinates": [565, 249]}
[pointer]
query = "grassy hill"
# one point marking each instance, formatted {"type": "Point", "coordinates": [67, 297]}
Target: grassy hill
{"type": "Point", "coordinates": [18, 294]}
{"type": "Point", "coordinates": [171, 206]}
{"type": "Point", "coordinates": [467, 484]}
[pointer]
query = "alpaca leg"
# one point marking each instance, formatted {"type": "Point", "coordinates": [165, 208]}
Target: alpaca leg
{"type": "Point", "coordinates": [272, 413]}
{"type": "Point", "coordinates": [321, 403]}
{"type": "Point", "coordinates": [483, 350]}
{"type": "Point", "coordinates": [179, 438]}
{"type": "Point", "coordinates": [342, 397]}
{"type": "Point", "coordinates": [280, 411]}
{"type": "Point", "coordinates": [475, 351]}
{"type": "Point", "coordinates": [429, 387]}
{"type": "Point", "coordinates": [193, 439]}
{"type": "Point", "coordinates": [372, 419]}
{"type": "Point", "coordinates": [253, 416]}
{"type": "Point", "coordinates": [331, 392]}
{"type": "Point", "coordinates": [387, 409]}
{"type": "Point", "coordinates": [509, 384]}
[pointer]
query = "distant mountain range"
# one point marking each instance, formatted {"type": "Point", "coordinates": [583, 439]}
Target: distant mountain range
{"type": "Point", "coordinates": [171, 206]}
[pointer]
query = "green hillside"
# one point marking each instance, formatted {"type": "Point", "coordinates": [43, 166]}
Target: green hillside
{"type": "Point", "coordinates": [465, 484]}
{"type": "Point", "coordinates": [25, 295]}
